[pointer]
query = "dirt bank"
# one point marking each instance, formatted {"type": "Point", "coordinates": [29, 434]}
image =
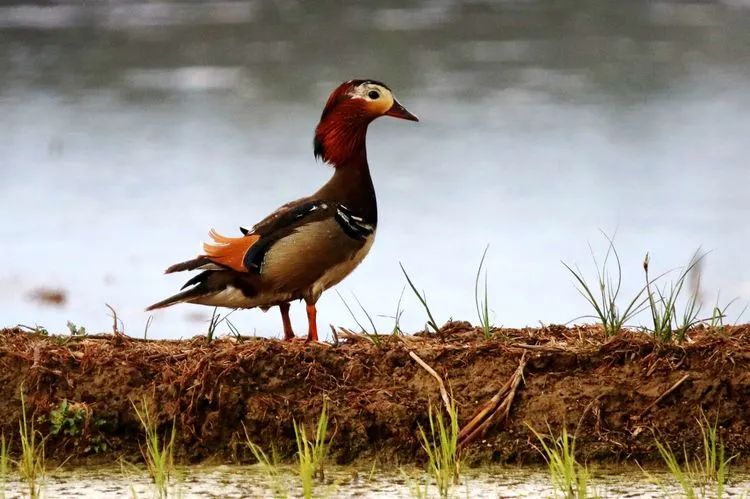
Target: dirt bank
{"type": "Point", "coordinates": [378, 395]}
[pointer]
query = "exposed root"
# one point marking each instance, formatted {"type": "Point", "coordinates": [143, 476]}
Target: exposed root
{"type": "Point", "coordinates": [498, 406]}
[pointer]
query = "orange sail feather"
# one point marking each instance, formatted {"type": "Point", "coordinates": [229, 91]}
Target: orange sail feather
{"type": "Point", "coordinates": [229, 251]}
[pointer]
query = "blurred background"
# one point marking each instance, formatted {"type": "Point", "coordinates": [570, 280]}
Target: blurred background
{"type": "Point", "coordinates": [129, 128]}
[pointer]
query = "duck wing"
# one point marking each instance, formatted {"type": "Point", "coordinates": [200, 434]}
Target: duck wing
{"type": "Point", "coordinates": [245, 253]}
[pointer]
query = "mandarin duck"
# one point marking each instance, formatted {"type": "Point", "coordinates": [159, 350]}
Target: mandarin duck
{"type": "Point", "coordinates": [310, 244]}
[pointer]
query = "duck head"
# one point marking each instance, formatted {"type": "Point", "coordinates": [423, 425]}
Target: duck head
{"type": "Point", "coordinates": [340, 135]}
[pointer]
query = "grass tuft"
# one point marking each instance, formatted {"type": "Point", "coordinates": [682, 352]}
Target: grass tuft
{"type": "Point", "coordinates": [373, 336]}
{"type": "Point", "coordinates": [423, 300]}
{"type": "Point", "coordinates": [311, 454]}
{"type": "Point", "coordinates": [568, 476]}
{"type": "Point", "coordinates": [682, 476]}
{"type": "Point", "coordinates": [4, 465]}
{"type": "Point", "coordinates": [420, 487]}
{"type": "Point", "coordinates": [159, 452]}
{"type": "Point", "coordinates": [216, 320]}
{"type": "Point", "coordinates": [714, 467]}
{"type": "Point", "coordinates": [719, 313]}
{"type": "Point", "coordinates": [482, 306]}
{"type": "Point", "coordinates": [397, 316]}
{"type": "Point", "coordinates": [367, 314]}
{"type": "Point", "coordinates": [233, 330]}
{"type": "Point", "coordinates": [705, 473]}
{"type": "Point", "coordinates": [604, 298]}
{"type": "Point", "coordinates": [667, 325]}
{"type": "Point", "coordinates": [76, 330]}
{"type": "Point", "coordinates": [212, 325]}
{"type": "Point", "coordinates": [31, 463]}
{"type": "Point", "coordinates": [441, 446]}
{"type": "Point", "coordinates": [270, 467]}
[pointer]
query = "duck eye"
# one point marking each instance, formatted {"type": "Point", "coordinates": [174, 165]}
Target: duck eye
{"type": "Point", "coordinates": [372, 94]}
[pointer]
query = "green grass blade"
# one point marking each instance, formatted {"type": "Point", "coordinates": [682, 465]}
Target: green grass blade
{"type": "Point", "coordinates": [423, 300]}
{"type": "Point", "coordinates": [482, 306]}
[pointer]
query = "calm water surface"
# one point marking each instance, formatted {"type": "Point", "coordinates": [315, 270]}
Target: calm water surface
{"type": "Point", "coordinates": [128, 130]}
{"type": "Point", "coordinates": [250, 481]}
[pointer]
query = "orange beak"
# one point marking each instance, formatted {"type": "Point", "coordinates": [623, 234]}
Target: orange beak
{"type": "Point", "coordinates": [399, 111]}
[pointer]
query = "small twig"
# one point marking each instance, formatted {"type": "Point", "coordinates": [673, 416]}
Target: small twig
{"type": "Point", "coordinates": [659, 399]}
{"type": "Point", "coordinates": [653, 367]}
{"type": "Point", "coordinates": [443, 391]}
{"type": "Point", "coordinates": [115, 328]}
{"type": "Point", "coordinates": [348, 334]}
{"type": "Point", "coordinates": [540, 348]}
{"type": "Point", "coordinates": [335, 335]}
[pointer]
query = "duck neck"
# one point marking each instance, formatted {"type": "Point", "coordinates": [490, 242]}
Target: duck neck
{"type": "Point", "coordinates": [351, 185]}
{"type": "Point", "coordinates": [340, 142]}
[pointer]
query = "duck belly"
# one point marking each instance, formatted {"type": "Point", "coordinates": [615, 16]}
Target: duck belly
{"type": "Point", "coordinates": [338, 272]}
{"type": "Point", "coordinates": [233, 297]}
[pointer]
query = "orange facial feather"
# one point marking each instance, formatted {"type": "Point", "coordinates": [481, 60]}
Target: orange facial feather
{"type": "Point", "coordinates": [229, 251]}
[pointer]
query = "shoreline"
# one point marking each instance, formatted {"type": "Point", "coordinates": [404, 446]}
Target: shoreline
{"type": "Point", "coordinates": [616, 394]}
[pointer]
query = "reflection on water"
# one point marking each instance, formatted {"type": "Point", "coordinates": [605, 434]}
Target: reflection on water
{"type": "Point", "coordinates": [250, 481]}
{"type": "Point", "coordinates": [130, 129]}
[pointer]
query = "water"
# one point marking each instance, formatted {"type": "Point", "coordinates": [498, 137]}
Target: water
{"type": "Point", "coordinates": [127, 131]}
{"type": "Point", "coordinates": [250, 481]}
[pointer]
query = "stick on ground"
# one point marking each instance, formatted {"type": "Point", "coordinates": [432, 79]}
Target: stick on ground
{"type": "Point", "coordinates": [443, 391]}
{"type": "Point", "coordinates": [660, 397]}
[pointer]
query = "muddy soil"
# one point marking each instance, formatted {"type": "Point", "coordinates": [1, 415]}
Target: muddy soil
{"type": "Point", "coordinates": [614, 393]}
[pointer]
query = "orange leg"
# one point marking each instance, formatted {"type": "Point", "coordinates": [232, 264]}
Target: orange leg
{"type": "Point", "coordinates": [288, 333]}
{"type": "Point", "coordinates": [312, 331]}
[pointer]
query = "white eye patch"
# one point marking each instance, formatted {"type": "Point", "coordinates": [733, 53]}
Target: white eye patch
{"type": "Point", "coordinates": [370, 92]}
{"type": "Point", "coordinates": [379, 97]}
